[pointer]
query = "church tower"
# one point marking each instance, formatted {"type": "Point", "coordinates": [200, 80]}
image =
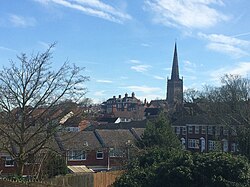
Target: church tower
{"type": "Point", "coordinates": [175, 84]}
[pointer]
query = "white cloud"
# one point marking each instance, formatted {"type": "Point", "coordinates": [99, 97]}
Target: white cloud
{"type": "Point", "coordinates": [94, 8]}
{"type": "Point", "coordinates": [7, 49]}
{"type": "Point", "coordinates": [104, 81]}
{"type": "Point", "coordinates": [189, 66]}
{"type": "Point", "coordinates": [158, 77]}
{"type": "Point", "coordinates": [44, 44]}
{"type": "Point", "coordinates": [144, 89]}
{"type": "Point", "coordinates": [100, 93]}
{"type": "Point", "coordinates": [242, 68]}
{"type": "Point", "coordinates": [20, 21]}
{"type": "Point", "coordinates": [133, 61]}
{"type": "Point", "coordinates": [145, 45]}
{"type": "Point", "coordinates": [226, 44]}
{"type": "Point", "coordinates": [141, 68]}
{"type": "Point", "coordinates": [188, 13]}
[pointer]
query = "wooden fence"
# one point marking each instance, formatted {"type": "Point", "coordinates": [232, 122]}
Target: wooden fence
{"type": "Point", "coordinates": [101, 179]}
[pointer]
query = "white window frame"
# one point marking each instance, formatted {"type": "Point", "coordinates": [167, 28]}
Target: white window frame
{"type": "Point", "coordinates": [233, 147]}
{"type": "Point", "coordinates": [76, 155]}
{"type": "Point", "coordinates": [210, 130]}
{"type": "Point", "coordinates": [99, 152]}
{"type": "Point", "coordinates": [217, 130]}
{"type": "Point", "coordinates": [203, 129]}
{"type": "Point", "coordinates": [211, 145]}
{"type": "Point", "coordinates": [190, 130]}
{"type": "Point", "coordinates": [197, 129]}
{"type": "Point", "coordinates": [225, 131]}
{"type": "Point", "coordinates": [9, 162]}
{"type": "Point", "coordinates": [178, 130]}
{"type": "Point", "coordinates": [184, 130]}
{"type": "Point", "coordinates": [193, 143]}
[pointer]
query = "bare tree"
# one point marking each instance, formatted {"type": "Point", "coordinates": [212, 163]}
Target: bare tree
{"type": "Point", "coordinates": [229, 104]}
{"type": "Point", "coordinates": [30, 93]}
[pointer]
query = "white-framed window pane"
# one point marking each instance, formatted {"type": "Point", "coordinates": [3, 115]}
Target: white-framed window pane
{"type": "Point", "coordinates": [225, 131]}
{"type": "Point", "coordinates": [211, 145]}
{"type": "Point", "coordinates": [190, 130]}
{"type": "Point", "coordinates": [217, 130]}
{"type": "Point", "coordinates": [233, 147]}
{"type": "Point", "coordinates": [177, 130]}
{"type": "Point", "coordinates": [203, 130]}
{"type": "Point", "coordinates": [197, 129]}
{"type": "Point", "coordinates": [184, 130]}
{"type": "Point", "coordinates": [99, 155]}
{"type": "Point", "coordinates": [210, 130]}
{"type": "Point", "coordinates": [76, 155]}
{"type": "Point", "coordinates": [193, 143]}
{"type": "Point", "coordinates": [9, 162]}
{"type": "Point", "coordinates": [114, 152]}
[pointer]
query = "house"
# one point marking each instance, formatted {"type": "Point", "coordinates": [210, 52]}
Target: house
{"type": "Point", "coordinates": [202, 134]}
{"type": "Point", "coordinates": [128, 108]}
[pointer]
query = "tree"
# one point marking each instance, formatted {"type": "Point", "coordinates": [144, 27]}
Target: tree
{"type": "Point", "coordinates": [161, 167]}
{"type": "Point", "coordinates": [229, 104]}
{"type": "Point", "coordinates": [159, 133]}
{"type": "Point", "coordinates": [30, 93]}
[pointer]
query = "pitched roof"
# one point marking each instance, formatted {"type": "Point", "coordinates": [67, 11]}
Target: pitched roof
{"type": "Point", "coordinates": [84, 140]}
{"type": "Point", "coordinates": [137, 132]}
{"type": "Point", "coordinates": [115, 138]}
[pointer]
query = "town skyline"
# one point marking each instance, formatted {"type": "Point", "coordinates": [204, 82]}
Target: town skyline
{"type": "Point", "coordinates": [128, 46]}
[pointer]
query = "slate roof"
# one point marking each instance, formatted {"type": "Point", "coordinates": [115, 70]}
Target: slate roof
{"type": "Point", "coordinates": [137, 132]}
{"type": "Point", "coordinates": [115, 138]}
{"type": "Point", "coordinates": [122, 125]}
{"type": "Point", "coordinates": [84, 140]}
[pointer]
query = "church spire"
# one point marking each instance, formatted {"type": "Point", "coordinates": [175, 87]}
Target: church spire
{"type": "Point", "coordinates": [175, 67]}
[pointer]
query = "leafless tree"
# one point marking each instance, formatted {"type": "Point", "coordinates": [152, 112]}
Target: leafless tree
{"type": "Point", "coordinates": [30, 93]}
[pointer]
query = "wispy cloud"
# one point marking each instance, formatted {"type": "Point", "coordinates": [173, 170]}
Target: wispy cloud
{"type": "Point", "coordinates": [134, 61]}
{"type": "Point", "coordinates": [145, 45]}
{"type": "Point", "coordinates": [104, 81]}
{"type": "Point", "coordinates": [241, 68]}
{"type": "Point", "coordinates": [188, 13]}
{"type": "Point", "coordinates": [93, 8]}
{"type": "Point", "coordinates": [7, 49]}
{"type": "Point", "coordinates": [44, 44]}
{"type": "Point", "coordinates": [20, 21]}
{"type": "Point", "coordinates": [144, 89]}
{"type": "Point", "coordinates": [158, 77]}
{"type": "Point", "coordinates": [141, 68]}
{"type": "Point", "coordinates": [100, 93]}
{"type": "Point", "coordinates": [226, 44]}
{"type": "Point", "coordinates": [189, 66]}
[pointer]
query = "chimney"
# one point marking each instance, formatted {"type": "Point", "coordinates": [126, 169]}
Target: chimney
{"type": "Point", "coordinates": [120, 96]}
{"type": "Point", "coordinates": [133, 94]}
{"type": "Point", "coordinates": [126, 95]}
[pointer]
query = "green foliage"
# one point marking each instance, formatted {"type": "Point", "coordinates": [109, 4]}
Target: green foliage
{"type": "Point", "coordinates": [159, 133]}
{"type": "Point", "coordinates": [161, 167]}
{"type": "Point", "coordinates": [55, 165]}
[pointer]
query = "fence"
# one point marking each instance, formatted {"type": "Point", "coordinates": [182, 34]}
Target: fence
{"type": "Point", "coordinates": [101, 179]}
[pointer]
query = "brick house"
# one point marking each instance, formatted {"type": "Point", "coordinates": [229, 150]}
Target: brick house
{"type": "Point", "coordinates": [197, 134]}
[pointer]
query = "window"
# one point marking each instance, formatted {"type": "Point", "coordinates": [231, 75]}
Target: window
{"type": "Point", "coordinates": [233, 131]}
{"type": "Point", "coordinates": [184, 130]}
{"type": "Point", "coordinates": [99, 155]}
{"type": "Point", "coordinates": [9, 162]}
{"type": "Point", "coordinates": [211, 145]}
{"type": "Point", "coordinates": [76, 155]}
{"type": "Point", "coordinates": [193, 143]}
{"type": "Point", "coordinates": [225, 145]}
{"type": "Point", "coordinates": [177, 130]}
{"type": "Point", "coordinates": [225, 131]}
{"type": "Point", "coordinates": [115, 152]}
{"type": "Point", "coordinates": [203, 130]}
{"type": "Point", "coordinates": [210, 130]}
{"type": "Point", "coordinates": [217, 130]}
{"type": "Point", "coordinates": [197, 130]}
{"type": "Point", "coordinates": [233, 147]}
{"type": "Point", "coordinates": [190, 130]}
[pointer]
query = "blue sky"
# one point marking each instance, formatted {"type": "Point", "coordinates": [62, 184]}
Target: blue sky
{"type": "Point", "coordinates": [127, 45]}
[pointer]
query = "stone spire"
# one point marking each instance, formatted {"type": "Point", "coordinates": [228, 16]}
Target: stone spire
{"type": "Point", "coordinates": [175, 67]}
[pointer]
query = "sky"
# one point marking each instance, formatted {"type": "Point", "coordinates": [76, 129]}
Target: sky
{"type": "Point", "coordinates": [127, 45]}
